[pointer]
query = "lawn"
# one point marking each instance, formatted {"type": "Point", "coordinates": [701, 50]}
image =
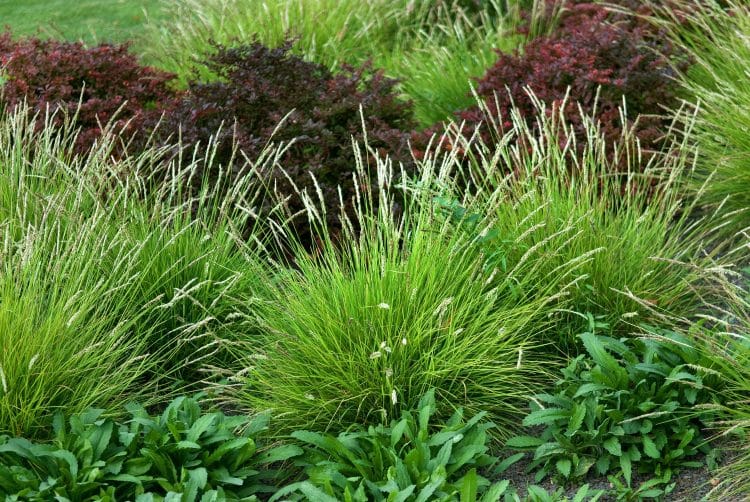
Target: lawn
{"type": "Point", "coordinates": [451, 250]}
{"type": "Point", "coordinates": [92, 21]}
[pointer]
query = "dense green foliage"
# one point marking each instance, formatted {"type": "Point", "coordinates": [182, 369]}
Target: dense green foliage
{"type": "Point", "coordinates": [359, 296]}
{"type": "Point", "coordinates": [564, 226]}
{"type": "Point", "coordinates": [126, 284]}
{"type": "Point", "coordinates": [358, 332]}
{"type": "Point", "coordinates": [182, 454]}
{"type": "Point", "coordinates": [408, 460]}
{"type": "Point", "coordinates": [625, 406]}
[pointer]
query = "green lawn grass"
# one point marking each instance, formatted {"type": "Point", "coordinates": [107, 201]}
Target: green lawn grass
{"type": "Point", "coordinates": [92, 21]}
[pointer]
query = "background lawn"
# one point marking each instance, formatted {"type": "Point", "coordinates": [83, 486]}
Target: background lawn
{"type": "Point", "coordinates": [91, 21]}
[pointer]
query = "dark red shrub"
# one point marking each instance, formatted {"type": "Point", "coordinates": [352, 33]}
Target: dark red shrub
{"type": "Point", "coordinates": [593, 50]}
{"type": "Point", "coordinates": [257, 87]}
{"type": "Point", "coordinates": [105, 79]}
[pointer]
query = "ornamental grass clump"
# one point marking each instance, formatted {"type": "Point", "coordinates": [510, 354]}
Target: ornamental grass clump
{"type": "Point", "coordinates": [715, 34]}
{"type": "Point", "coordinates": [364, 327]}
{"type": "Point", "coordinates": [106, 294]}
{"type": "Point", "coordinates": [726, 335]}
{"type": "Point", "coordinates": [615, 246]}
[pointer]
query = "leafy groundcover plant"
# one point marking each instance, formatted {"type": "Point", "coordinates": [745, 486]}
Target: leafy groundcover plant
{"type": "Point", "coordinates": [411, 459]}
{"type": "Point", "coordinates": [182, 454]}
{"type": "Point", "coordinates": [625, 406]}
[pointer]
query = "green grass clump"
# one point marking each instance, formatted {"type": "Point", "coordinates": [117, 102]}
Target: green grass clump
{"type": "Point", "coordinates": [363, 328]}
{"type": "Point", "coordinates": [470, 282]}
{"type": "Point", "coordinates": [613, 234]}
{"type": "Point", "coordinates": [435, 47]}
{"type": "Point", "coordinates": [92, 21]}
{"type": "Point", "coordinates": [107, 293]}
{"type": "Point", "coordinates": [725, 338]}
{"type": "Point", "coordinates": [716, 38]}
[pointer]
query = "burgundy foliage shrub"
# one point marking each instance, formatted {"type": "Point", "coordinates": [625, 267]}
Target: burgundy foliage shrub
{"type": "Point", "coordinates": [106, 80]}
{"type": "Point", "coordinates": [593, 50]}
{"type": "Point", "coordinates": [258, 86]}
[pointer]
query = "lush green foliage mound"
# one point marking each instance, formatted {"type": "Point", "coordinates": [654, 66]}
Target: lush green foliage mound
{"type": "Point", "coordinates": [408, 460]}
{"type": "Point", "coordinates": [188, 454]}
{"type": "Point", "coordinates": [625, 406]}
{"type": "Point", "coordinates": [361, 330]}
{"type": "Point", "coordinates": [278, 236]}
{"type": "Point", "coordinates": [101, 279]}
{"type": "Point", "coordinates": [183, 454]}
{"type": "Point", "coordinates": [563, 226]}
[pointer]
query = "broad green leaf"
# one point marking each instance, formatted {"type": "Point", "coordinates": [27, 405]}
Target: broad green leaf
{"type": "Point", "coordinates": [222, 475]}
{"type": "Point", "coordinates": [602, 464]}
{"type": "Point", "coordinates": [649, 447]}
{"type": "Point", "coordinates": [199, 476]}
{"type": "Point", "coordinates": [545, 417]}
{"type": "Point", "coordinates": [612, 445]}
{"type": "Point", "coordinates": [469, 486]}
{"type": "Point", "coordinates": [626, 467]}
{"type": "Point", "coordinates": [576, 420]}
{"type": "Point", "coordinates": [200, 426]}
{"type": "Point", "coordinates": [279, 453]}
{"type": "Point", "coordinates": [563, 466]}
{"type": "Point", "coordinates": [188, 445]}
{"type": "Point", "coordinates": [403, 494]}
{"type": "Point", "coordinates": [69, 458]}
{"type": "Point", "coordinates": [506, 463]}
{"type": "Point", "coordinates": [426, 493]}
{"type": "Point", "coordinates": [611, 368]}
{"type": "Point", "coordinates": [589, 388]}
{"type": "Point", "coordinates": [398, 431]}
{"type": "Point", "coordinates": [495, 491]}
